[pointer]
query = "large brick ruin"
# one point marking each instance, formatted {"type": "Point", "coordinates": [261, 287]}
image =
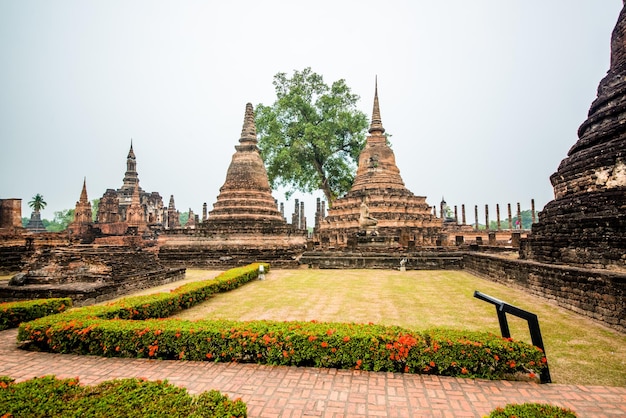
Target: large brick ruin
{"type": "Point", "coordinates": [379, 211]}
{"type": "Point", "coordinates": [245, 224]}
{"type": "Point", "coordinates": [585, 224]}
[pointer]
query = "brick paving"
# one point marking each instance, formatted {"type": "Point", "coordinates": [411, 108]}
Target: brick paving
{"type": "Point", "coordinates": [272, 391]}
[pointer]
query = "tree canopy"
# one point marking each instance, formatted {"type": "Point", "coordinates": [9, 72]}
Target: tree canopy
{"type": "Point", "coordinates": [311, 137]}
{"type": "Point", "coordinates": [37, 203]}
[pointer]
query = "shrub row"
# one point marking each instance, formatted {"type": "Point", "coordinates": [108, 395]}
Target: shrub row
{"type": "Point", "coordinates": [106, 331]}
{"type": "Point", "coordinates": [14, 313]}
{"type": "Point", "coordinates": [51, 397]}
{"type": "Point", "coordinates": [532, 410]}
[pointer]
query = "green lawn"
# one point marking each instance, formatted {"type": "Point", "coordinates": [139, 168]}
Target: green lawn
{"type": "Point", "coordinates": [579, 351]}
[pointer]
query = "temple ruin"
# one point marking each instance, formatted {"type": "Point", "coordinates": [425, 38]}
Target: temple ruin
{"type": "Point", "coordinates": [245, 224]}
{"type": "Point", "coordinates": [585, 224]}
{"type": "Point", "coordinates": [379, 211]}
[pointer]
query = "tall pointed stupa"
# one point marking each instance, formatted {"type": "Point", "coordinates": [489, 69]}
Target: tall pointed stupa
{"type": "Point", "coordinates": [245, 204]}
{"type": "Point", "coordinates": [585, 224]}
{"type": "Point", "coordinates": [378, 204]}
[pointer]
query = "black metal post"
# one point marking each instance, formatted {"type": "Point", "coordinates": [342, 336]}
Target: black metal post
{"type": "Point", "coordinates": [502, 308]}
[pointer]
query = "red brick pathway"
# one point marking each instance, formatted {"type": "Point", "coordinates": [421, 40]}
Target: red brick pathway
{"type": "Point", "coordinates": [271, 391]}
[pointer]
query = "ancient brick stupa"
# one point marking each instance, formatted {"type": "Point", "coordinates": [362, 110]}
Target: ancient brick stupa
{"type": "Point", "coordinates": [378, 207]}
{"type": "Point", "coordinates": [245, 224]}
{"type": "Point", "coordinates": [83, 215]}
{"type": "Point", "coordinates": [585, 224]}
{"type": "Point", "coordinates": [245, 203]}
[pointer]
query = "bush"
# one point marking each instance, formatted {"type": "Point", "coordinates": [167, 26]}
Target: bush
{"type": "Point", "coordinates": [14, 313]}
{"type": "Point", "coordinates": [107, 331]}
{"type": "Point", "coordinates": [532, 410]}
{"type": "Point", "coordinates": [52, 397]}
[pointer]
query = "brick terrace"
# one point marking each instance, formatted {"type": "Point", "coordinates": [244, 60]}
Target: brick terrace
{"type": "Point", "coordinates": [272, 391]}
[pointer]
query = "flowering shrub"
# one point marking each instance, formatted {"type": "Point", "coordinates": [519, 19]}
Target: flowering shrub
{"type": "Point", "coordinates": [107, 331]}
{"type": "Point", "coordinates": [14, 313]}
{"type": "Point", "coordinates": [51, 397]}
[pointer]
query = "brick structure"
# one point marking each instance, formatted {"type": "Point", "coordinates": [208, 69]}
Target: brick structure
{"type": "Point", "coordinates": [83, 215]}
{"type": "Point", "coordinates": [585, 225]}
{"type": "Point", "coordinates": [245, 224]}
{"type": "Point", "coordinates": [115, 204]}
{"type": "Point", "coordinates": [245, 203]}
{"type": "Point", "coordinates": [379, 209]}
{"type": "Point", "coordinates": [10, 213]}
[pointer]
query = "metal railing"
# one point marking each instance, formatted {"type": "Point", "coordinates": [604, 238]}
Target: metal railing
{"type": "Point", "coordinates": [502, 308]}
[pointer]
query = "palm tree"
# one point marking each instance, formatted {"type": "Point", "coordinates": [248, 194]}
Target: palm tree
{"type": "Point", "coordinates": [37, 203]}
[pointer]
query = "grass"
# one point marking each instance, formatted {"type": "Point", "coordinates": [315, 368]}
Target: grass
{"type": "Point", "coordinates": [579, 350]}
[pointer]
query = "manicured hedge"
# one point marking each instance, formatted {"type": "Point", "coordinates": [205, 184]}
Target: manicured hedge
{"type": "Point", "coordinates": [14, 313]}
{"type": "Point", "coordinates": [532, 410]}
{"type": "Point", "coordinates": [106, 331]}
{"type": "Point", "coordinates": [51, 397]}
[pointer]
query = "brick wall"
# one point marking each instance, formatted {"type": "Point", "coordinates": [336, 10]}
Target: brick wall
{"type": "Point", "coordinates": [598, 294]}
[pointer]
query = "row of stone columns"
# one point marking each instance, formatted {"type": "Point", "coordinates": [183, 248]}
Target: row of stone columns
{"type": "Point", "coordinates": [498, 222]}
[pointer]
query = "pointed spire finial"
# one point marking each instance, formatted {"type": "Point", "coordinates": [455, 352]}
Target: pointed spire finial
{"type": "Point", "coordinates": [377, 123]}
{"type": "Point", "coordinates": [248, 132]}
{"type": "Point", "coordinates": [131, 153]}
{"type": "Point", "coordinates": [83, 194]}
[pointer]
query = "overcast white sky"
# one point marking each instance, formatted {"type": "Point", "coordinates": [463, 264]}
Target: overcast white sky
{"type": "Point", "coordinates": [483, 98]}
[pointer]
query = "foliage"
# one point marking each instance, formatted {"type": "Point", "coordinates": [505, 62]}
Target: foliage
{"type": "Point", "coordinates": [95, 204]}
{"type": "Point", "coordinates": [311, 137]}
{"type": "Point", "coordinates": [52, 397]}
{"type": "Point", "coordinates": [102, 330]}
{"type": "Point", "coordinates": [532, 410]}
{"type": "Point", "coordinates": [183, 218]}
{"type": "Point", "coordinates": [527, 221]}
{"type": "Point", "coordinates": [14, 313]}
{"type": "Point", "coordinates": [37, 203]}
{"type": "Point", "coordinates": [60, 221]}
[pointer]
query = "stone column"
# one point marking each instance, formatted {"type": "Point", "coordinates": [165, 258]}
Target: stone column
{"type": "Point", "coordinates": [510, 217]}
{"type": "Point", "coordinates": [532, 209]}
{"type": "Point", "coordinates": [302, 217]}
{"type": "Point", "coordinates": [456, 216]}
{"type": "Point", "coordinates": [463, 213]}
{"type": "Point", "coordinates": [476, 217]}
{"type": "Point", "coordinates": [519, 215]}
{"type": "Point", "coordinates": [498, 216]}
{"type": "Point", "coordinates": [487, 217]}
{"type": "Point", "coordinates": [204, 212]}
{"type": "Point", "coordinates": [435, 211]}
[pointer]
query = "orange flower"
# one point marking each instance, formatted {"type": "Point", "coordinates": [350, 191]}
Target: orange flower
{"type": "Point", "coordinates": [432, 364]}
{"type": "Point", "coordinates": [324, 344]}
{"type": "Point", "coordinates": [346, 339]}
{"type": "Point", "coordinates": [496, 358]}
{"type": "Point", "coordinates": [312, 338]}
{"type": "Point", "coordinates": [209, 355]}
{"type": "Point", "coordinates": [464, 370]}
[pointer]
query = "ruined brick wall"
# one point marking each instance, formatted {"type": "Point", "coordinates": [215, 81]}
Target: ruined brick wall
{"type": "Point", "coordinates": [10, 213]}
{"type": "Point", "coordinates": [597, 294]}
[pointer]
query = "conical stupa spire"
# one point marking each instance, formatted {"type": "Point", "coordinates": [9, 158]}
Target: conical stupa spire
{"type": "Point", "coordinates": [83, 194]}
{"type": "Point", "coordinates": [248, 132]}
{"type": "Point", "coordinates": [377, 123]}
{"type": "Point", "coordinates": [131, 153]}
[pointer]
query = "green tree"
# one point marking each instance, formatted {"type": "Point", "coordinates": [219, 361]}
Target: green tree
{"type": "Point", "coordinates": [95, 203]}
{"type": "Point", "coordinates": [183, 218]}
{"type": "Point", "coordinates": [37, 203]}
{"type": "Point", "coordinates": [61, 220]}
{"type": "Point", "coordinates": [311, 137]}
